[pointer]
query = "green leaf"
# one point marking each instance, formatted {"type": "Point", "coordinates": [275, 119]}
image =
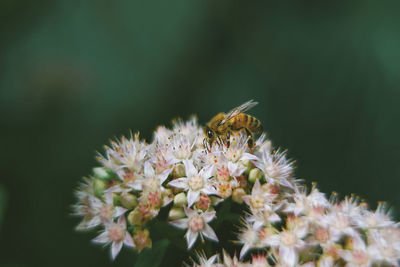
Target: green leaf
{"type": "Point", "coordinates": [152, 256]}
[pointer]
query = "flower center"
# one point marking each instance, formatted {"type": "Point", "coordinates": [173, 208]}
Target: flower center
{"type": "Point", "coordinates": [223, 174]}
{"type": "Point", "coordinates": [360, 257]}
{"type": "Point", "coordinates": [233, 155]}
{"type": "Point", "coordinates": [116, 233]}
{"type": "Point", "coordinates": [322, 235]}
{"type": "Point", "coordinates": [371, 221]}
{"type": "Point", "coordinates": [106, 213]}
{"type": "Point", "coordinates": [271, 171]}
{"type": "Point", "coordinates": [154, 199]}
{"type": "Point", "coordinates": [341, 222]}
{"type": "Point", "coordinates": [151, 184]}
{"type": "Point", "coordinates": [250, 236]}
{"type": "Point", "coordinates": [288, 238]}
{"type": "Point", "coordinates": [204, 202]}
{"type": "Point", "coordinates": [224, 190]}
{"type": "Point", "coordinates": [196, 183]}
{"type": "Point", "coordinates": [196, 224]}
{"type": "Point", "coordinates": [257, 202]}
{"type": "Point", "coordinates": [183, 151]}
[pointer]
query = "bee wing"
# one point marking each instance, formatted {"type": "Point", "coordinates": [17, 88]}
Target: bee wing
{"type": "Point", "coordinates": [236, 111]}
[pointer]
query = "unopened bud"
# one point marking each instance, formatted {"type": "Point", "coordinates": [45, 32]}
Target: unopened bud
{"type": "Point", "coordinates": [247, 164]}
{"type": "Point", "coordinates": [134, 217]}
{"type": "Point", "coordinates": [99, 187]}
{"type": "Point", "coordinates": [128, 200]}
{"type": "Point", "coordinates": [203, 203]}
{"type": "Point", "coordinates": [102, 173]}
{"type": "Point", "coordinates": [116, 200]}
{"type": "Point", "coordinates": [180, 200]}
{"type": "Point", "coordinates": [142, 239]}
{"type": "Point", "coordinates": [237, 195]}
{"type": "Point", "coordinates": [176, 213]}
{"type": "Point", "coordinates": [255, 174]}
{"type": "Point", "coordinates": [137, 218]}
{"type": "Point", "coordinates": [179, 170]}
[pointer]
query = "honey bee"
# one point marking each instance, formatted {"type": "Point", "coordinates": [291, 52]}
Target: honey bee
{"type": "Point", "coordinates": [221, 126]}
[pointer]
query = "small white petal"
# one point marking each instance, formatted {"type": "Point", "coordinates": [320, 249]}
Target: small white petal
{"type": "Point", "coordinates": [192, 197]}
{"type": "Point", "coordinates": [235, 170]}
{"type": "Point", "coordinates": [115, 249]}
{"type": "Point", "coordinates": [191, 238]}
{"type": "Point", "coordinates": [209, 190]}
{"type": "Point", "coordinates": [128, 240]}
{"type": "Point", "coordinates": [180, 223]}
{"type": "Point", "coordinates": [136, 185]}
{"type": "Point", "coordinates": [286, 183]}
{"type": "Point", "coordinates": [244, 250]}
{"type": "Point", "coordinates": [209, 232]}
{"type": "Point", "coordinates": [179, 183]}
{"type": "Point", "coordinates": [208, 216]}
{"type": "Point", "coordinates": [164, 175]}
{"type": "Point", "coordinates": [212, 259]}
{"type": "Point", "coordinates": [272, 241]}
{"type": "Point", "coordinates": [102, 238]}
{"type": "Point", "coordinates": [119, 211]}
{"type": "Point", "coordinates": [207, 172]}
{"type": "Point", "coordinates": [189, 212]}
{"type": "Point", "coordinates": [256, 187]}
{"type": "Point", "coordinates": [95, 221]}
{"type": "Point", "coordinates": [274, 218]}
{"type": "Point", "coordinates": [189, 168]}
{"type": "Point", "coordinates": [258, 224]}
{"type": "Point", "coordinates": [148, 170]}
{"type": "Point", "coordinates": [248, 156]}
{"type": "Point", "coordinates": [109, 198]}
{"type": "Point", "coordinates": [288, 255]}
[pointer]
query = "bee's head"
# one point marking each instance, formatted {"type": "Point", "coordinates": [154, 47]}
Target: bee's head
{"type": "Point", "coordinates": [210, 136]}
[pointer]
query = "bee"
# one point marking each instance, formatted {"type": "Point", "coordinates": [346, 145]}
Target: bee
{"type": "Point", "coordinates": [221, 126]}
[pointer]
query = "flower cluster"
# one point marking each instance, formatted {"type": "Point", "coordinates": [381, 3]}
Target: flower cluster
{"type": "Point", "coordinates": [287, 224]}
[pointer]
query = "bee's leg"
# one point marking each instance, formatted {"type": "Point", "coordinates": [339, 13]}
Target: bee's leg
{"type": "Point", "coordinates": [228, 139]}
{"type": "Point", "coordinates": [205, 144]}
{"type": "Point", "coordinates": [250, 141]}
{"type": "Point", "coordinates": [219, 141]}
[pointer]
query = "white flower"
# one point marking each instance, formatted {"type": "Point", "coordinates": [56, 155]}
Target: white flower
{"type": "Point", "coordinates": [117, 235]}
{"type": "Point", "coordinates": [150, 175]}
{"type": "Point", "coordinates": [238, 150]}
{"type": "Point", "coordinates": [181, 147]}
{"type": "Point", "coordinates": [189, 129]}
{"type": "Point", "coordinates": [267, 215]}
{"type": "Point", "coordinates": [303, 203]}
{"type": "Point", "coordinates": [378, 219]}
{"type": "Point", "coordinates": [161, 136]}
{"type": "Point", "coordinates": [384, 244]}
{"type": "Point", "coordinates": [288, 243]}
{"type": "Point", "coordinates": [195, 182]}
{"type": "Point", "coordinates": [359, 255]}
{"type": "Point", "coordinates": [204, 262]}
{"type": "Point", "coordinates": [102, 212]}
{"type": "Point", "coordinates": [234, 261]}
{"type": "Point", "coordinates": [126, 153]}
{"type": "Point", "coordinates": [197, 224]}
{"type": "Point", "coordinates": [339, 224]}
{"type": "Point", "coordinates": [277, 169]}
{"type": "Point", "coordinates": [259, 198]}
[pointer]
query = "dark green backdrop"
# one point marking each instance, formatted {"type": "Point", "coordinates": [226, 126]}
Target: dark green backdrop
{"type": "Point", "coordinates": [74, 73]}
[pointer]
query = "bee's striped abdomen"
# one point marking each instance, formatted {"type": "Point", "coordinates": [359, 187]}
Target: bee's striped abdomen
{"type": "Point", "coordinates": [246, 121]}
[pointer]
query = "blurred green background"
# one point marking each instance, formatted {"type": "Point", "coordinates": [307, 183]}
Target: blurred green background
{"type": "Point", "coordinates": [75, 73]}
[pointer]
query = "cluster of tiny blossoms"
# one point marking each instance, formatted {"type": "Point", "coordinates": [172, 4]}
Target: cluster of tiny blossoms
{"type": "Point", "coordinates": [286, 224]}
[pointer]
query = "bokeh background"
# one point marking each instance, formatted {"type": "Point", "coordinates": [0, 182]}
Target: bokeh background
{"type": "Point", "coordinates": [75, 73]}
